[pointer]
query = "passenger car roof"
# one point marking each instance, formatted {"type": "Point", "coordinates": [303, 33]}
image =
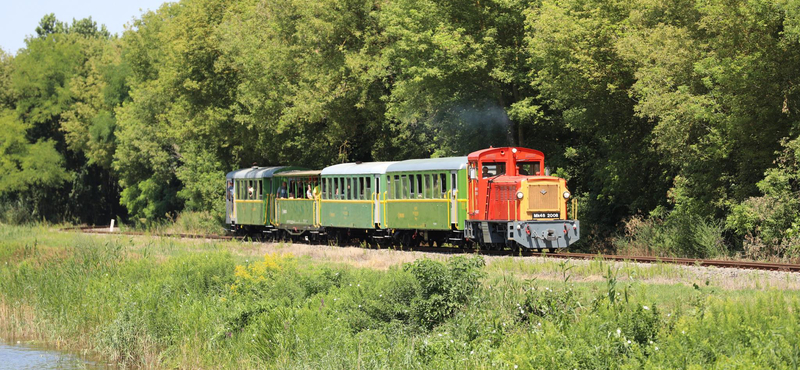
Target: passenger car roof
{"type": "Point", "coordinates": [298, 173]}
{"type": "Point", "coordinates": [365, 168]}
{"type": "Point", "coordinates": [253, 172]}
{"type": "Point", "coordinates": [432, 164]}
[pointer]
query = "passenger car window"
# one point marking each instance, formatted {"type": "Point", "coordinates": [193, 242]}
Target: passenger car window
{"type": "Point", "coordinates": [428, 187]}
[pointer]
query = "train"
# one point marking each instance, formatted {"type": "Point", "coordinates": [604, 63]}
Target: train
{"type": "Point", "coordinates": [495, 198]}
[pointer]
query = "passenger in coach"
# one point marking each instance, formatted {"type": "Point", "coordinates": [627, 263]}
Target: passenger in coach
{"type": "Point", "coordinates": [282, 191]}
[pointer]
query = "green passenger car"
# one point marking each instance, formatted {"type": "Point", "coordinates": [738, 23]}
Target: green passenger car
{"type": "Point", "coordinates": [248, 200]}
{"type": "Point", "coordinates": [350, 195]}
{"type": "Point", "coordinates": [297, 207]}
{"type": "Point", "coordinates": [426, 194]}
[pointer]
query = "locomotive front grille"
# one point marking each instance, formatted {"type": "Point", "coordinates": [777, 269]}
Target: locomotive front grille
{"type": "Point", "coordinates": [542, 197]}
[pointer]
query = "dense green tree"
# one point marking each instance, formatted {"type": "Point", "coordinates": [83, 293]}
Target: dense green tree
{"type": "Point", "coordinates": [7, 96]}
{"type": "Point", "coordinates": [179, 110]}
{"type": "Point", "coordinates": [49, 25]}
{"type": "Point", "coordinates": [582, 75]}
{"type": "Point", "coordinates": [49, 83]}
{"type": "Point", "coordinates": [717, 81]}
{"type": "Point", "coordinates": [89, 123]}
{"type": "Point", "coordinates": [307, 88]}
{"type": "Point", "coordinates": [26, 166]}
{"type": "Point", "coordinates": [458, 73]}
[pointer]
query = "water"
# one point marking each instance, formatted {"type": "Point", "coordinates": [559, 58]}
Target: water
{"type": "Point", "coordinates": [27, 356]}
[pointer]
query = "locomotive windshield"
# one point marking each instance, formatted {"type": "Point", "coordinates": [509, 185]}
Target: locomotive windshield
{"type": "Point", "coordinates": [529, 168]}
{"type": "Point", "coordinates": [493, 169]}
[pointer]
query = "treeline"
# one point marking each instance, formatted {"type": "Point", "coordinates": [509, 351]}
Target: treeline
{"type": "Point", "coordinates": [675, 120]}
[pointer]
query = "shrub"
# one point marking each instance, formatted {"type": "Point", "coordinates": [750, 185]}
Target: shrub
{"type": "Point", "coordinates": [769, 225]}
{"type": "Point", "coordinates": [444, 288]}
{"type": "Point", "coordinates": [198, 222]}
{"type": "Point", "coordinates": [558, 306]}
{"type": "Point", "coordinates": [640, 323]}
{"type": "Point", "coordinates": [15, 212]}
{"type": "Point", "coordinates": [673, 234]}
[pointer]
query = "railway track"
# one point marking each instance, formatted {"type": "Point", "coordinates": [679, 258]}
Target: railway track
{"type": "Point", "coordinates": [786, 267]}
{"type": "Point", "coordinates": [769, 266]}
{"type": "Point", "coordinates": [105, 231]}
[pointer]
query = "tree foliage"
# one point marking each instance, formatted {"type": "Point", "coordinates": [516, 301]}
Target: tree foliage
{"type": "Point", "coordinates": [676, 108]}
{"type": "Point", "coordinates": [23, 164]}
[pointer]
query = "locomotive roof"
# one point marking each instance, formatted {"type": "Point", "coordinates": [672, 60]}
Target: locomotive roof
{"type": "Point", "coordinates": [365, 168]}
{"type": "Point", "coordinates": [432, 164]}
{"type": "Point", "coordinates": [522, 153]}
{"type": "Point", "coordinates": [253, 172]}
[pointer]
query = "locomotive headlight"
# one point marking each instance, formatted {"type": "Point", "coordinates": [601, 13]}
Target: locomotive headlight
{"type": "Point", "coordinates": [566, 195]}
{"type": "Point", "coordinates": [520, 195]}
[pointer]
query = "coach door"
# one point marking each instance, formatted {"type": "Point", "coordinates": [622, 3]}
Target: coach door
{"type": "Point", "coordinates": [229, 191]}
{"type": "Point", "coordinates": [454, 198]}
{"type": "Point", "coordinates": [376, 199]}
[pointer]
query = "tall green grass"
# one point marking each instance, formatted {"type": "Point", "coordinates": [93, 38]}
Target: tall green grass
{"type": "Point", "coordinates": [687, 236]}
{"type": "Point", "coordinates": [143, 303]}
{"type": "Point", "coordinates": [187, 222]}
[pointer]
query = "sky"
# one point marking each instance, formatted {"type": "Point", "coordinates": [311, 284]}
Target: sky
{"type": "Point", "coordinates": [19, 18]}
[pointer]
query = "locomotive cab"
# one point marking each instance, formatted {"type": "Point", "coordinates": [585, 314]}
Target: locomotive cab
{"type": "Point", "coordinates": [512, 204]}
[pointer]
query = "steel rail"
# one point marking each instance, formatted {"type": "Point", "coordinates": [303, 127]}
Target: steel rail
{"type": "Point", "coordinates": [787, 267]}
{"type": "Point", "coordinates": [101, 230]}
{"type": "Point", "coordinates": [770, 266]}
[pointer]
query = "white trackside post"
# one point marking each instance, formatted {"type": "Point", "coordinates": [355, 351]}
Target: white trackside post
{"type": "Point", "coordinates": [111, 229]}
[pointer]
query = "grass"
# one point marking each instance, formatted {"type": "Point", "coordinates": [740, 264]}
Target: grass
{"type": "Point", "coordinates": [164, 303]}
{"type": "Point", "coordinates": [687, 236]}
{"type": "Point", "coordinates": [188, 222]}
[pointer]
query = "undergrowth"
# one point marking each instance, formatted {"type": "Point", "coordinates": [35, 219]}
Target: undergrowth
{"type": "Point", "coordinates": [212, 309]}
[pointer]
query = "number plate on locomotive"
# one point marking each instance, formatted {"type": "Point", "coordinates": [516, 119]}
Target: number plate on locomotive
{"type": "Point", "coordinates": [546, 215]}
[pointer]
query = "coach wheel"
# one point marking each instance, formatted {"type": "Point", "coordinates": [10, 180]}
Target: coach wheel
{"type": "Point", "coordinates": [335, 238]}
{"type": "Point", "coordinates": [416, 240]}
{"type": "Point", "coordinates": [370, 242]}
{"type": "Point", "coordinates": [405, 240]}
